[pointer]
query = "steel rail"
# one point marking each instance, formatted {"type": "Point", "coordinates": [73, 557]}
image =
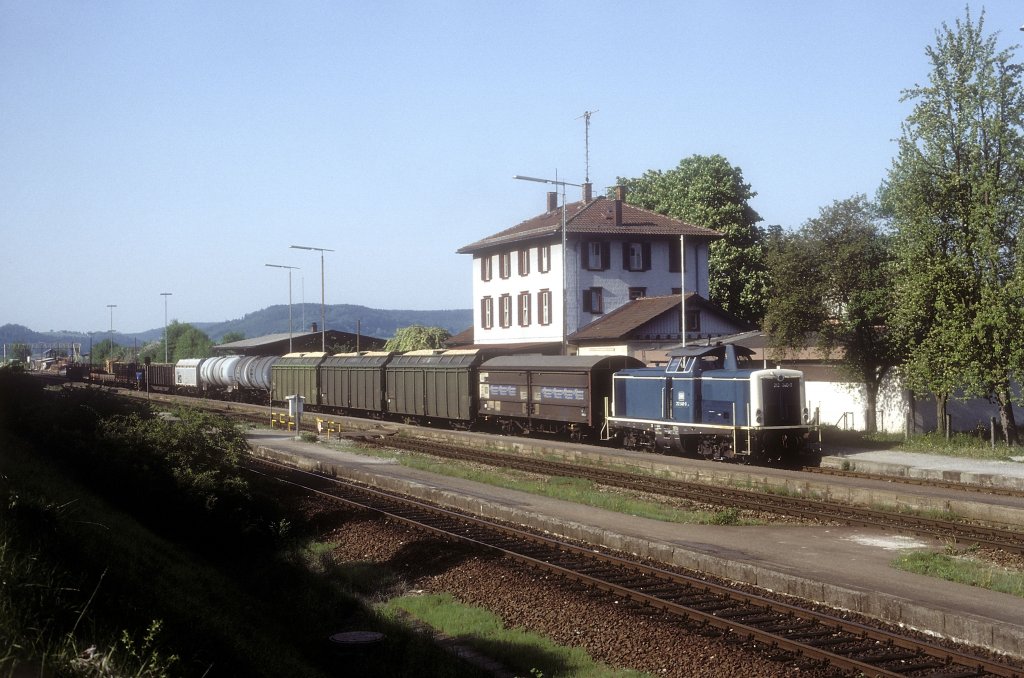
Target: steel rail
{"type": "Point", "coordinates": [804, 633]}
{"type": "Point", "coordinates": [991, 537]}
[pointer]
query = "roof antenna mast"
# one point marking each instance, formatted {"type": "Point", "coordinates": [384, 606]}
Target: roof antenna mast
{"type": "Point", "coordinates": [586, 140]}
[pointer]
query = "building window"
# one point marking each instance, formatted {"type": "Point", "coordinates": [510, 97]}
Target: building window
{"type": "Point", "coordinates": [505, 310]}
{"type": "Point", "coordinates": [637, 293]}
{"type": "Point", "coordinates": [597, 256]}
{"type": "Point", "coordinates": [505, 265]}
{"type": "Point", "coordinates": [485, 268]}
{"type": "Point", "coordinates": [544, 307]}
{"type": "Point", "coordinates": [524, 262]}
{"type": "Point", "coordinates": [592, 300]}
{"type": "Point", "coordinates": [487, 313]}
{"type": "Point", "coordinates": [544, 258]}
{"type": "Point", "coordinates": [524, 309]}
{"type": "Point", "coordinates": [674, 258]}
{"type": "Point", "coordinates": [636, 256]}
{"type": "Point", "coordinates": [693, 321]}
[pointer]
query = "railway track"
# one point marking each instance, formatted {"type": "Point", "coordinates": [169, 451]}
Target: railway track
{"type": "Point", "coordinates": [808, 634]}
{"type": "Point", "coordinates": [911, 480]}
{"type": "Point", "coordinates": [989, 537]}
{"type": "Point", "coordinates": [992, 537]}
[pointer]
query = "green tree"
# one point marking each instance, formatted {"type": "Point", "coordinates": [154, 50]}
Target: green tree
{"type": "Point", "coordinates": [232, 336]}
{"type": "Point", "coordinates": [416, 338]}
{"type": "Point", "coordinates": [19, 351]}
{"type": "Point", "coordinates": [186, 341]}
{"type": "Point", "coordinates": [106, 350]}
{"type": "Point", "coordinates": [708, 191]}
{"type": "Point", "coordinates": [830, 288]}
{"type": "Point", "coordinates": [955, 194]}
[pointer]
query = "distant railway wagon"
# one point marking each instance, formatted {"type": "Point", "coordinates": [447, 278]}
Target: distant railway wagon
{"type": "Point", "coordinates": [218, 374]}
{"type": "Point", "coordinates": [161, 376]}
{"type": "Point", "coordinates": [354, 383]}
{"type": "Point", "coordinates": [186, 374]}
{"type": "Point", "coordinates": [549, 394]}
{"type": "Point", "coordinates": [254, 372]}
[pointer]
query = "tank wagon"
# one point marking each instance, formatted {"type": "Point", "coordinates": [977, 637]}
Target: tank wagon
{"type": "Point", "coordinates": [561, 395]}
{"type": "Point", "coordinates": [713, 402]}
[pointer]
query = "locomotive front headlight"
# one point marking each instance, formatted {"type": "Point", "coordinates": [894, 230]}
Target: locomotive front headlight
{"type": "Point", "coordinates": [759, 416]}
{"type": "Point", "coordinates": [807, 415]}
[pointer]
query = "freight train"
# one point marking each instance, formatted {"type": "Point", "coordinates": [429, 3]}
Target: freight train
{"type": "Point", "coordinates": [708, 401]}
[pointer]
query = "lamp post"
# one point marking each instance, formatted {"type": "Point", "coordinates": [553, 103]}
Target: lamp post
{"type": "Point", "coordinates": [290, 269]}
{"type": "Point", "coordinates": [565, 284]}
{"type": "Point", "coordinates": [323, 328]}
{"type": "Point", "coordinates": [111, 307]}
{"type": "Point", "coordinates": [166, 355]}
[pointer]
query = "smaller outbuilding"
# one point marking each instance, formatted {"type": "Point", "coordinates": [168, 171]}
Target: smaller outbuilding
{"type": "Point", "coordinates": [282, 343]}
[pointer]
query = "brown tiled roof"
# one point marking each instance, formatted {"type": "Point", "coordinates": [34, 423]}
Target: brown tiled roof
{"type": "Point", "coordinates": [596, 217]}
{"type": "Point", "coordinates": [627, 318]}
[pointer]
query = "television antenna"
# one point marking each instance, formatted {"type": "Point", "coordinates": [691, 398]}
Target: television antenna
{"type": "Point", "coordinates": [586, 141]}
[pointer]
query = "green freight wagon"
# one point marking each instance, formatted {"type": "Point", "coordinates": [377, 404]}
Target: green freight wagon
{"type": "Point", "coordinates": [297, 374]}
{"type": "Point", "coordinates": [354, 383]}
{"type": "Point", "coordinates": [434, 386]}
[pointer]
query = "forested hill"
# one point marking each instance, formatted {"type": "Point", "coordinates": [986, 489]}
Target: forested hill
{"type": "Point", "coordinates": [372, 322]}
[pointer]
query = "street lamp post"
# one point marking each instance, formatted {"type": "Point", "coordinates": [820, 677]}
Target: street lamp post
{"type": "Point", "coordinates": [111, 307]}
{"type": "Point", "coordinates": [565, 284]}
{"type": "Point", "coordinates": [323, 327]}
{"type": "Point", "coordinates": [166, 353]}
{"type": "Point", "coordinates": [290, 269]}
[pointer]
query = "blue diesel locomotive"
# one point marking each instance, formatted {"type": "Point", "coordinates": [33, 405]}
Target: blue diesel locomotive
{"type": "Point", "coordinates": [712, 401]}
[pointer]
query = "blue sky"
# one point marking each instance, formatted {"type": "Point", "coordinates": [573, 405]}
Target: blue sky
{"type": "Point", "coordinates": [160, 146]}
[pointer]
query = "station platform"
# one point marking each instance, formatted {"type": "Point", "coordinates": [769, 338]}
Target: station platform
{"type": "Point", "coordinates": [844, 567]}
{"type": "Point", "coordinates": [1008, 474]}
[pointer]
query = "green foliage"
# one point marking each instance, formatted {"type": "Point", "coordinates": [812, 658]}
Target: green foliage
{"type": "Point", "coordinates": [19, 351]}
{"type": "Point", "coordinates": [959, 567]}
{"type": "Point", "coordinates": [830, 287]}
{"type": "Point", "coordinates": [707, 191]}
{"type": "Point", "coordinates": [417, 338]}
{"type": "Point", "coordinates": [186, 341]}
{"type": "Point", "coordinates": [200, 451]}
{"type": "Point", "coordinates": [107, 349]}
{"type": "Point", "coordinates": [524, 652]}
{"type": "Point", "coordinates": [955, 194]}
{"type": "Point", "coordinates": [231, 337]}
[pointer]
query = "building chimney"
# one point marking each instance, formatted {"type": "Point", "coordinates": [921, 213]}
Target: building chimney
{"type": "Point", "coordinates": [587, 192]}
{"type": "Point", "coordinates": [613, 212]}
{"type": "Point", "coordinates": [313, 328]}
{"type": "Point", "coordinates": [552, 201]}
{"type": "Point", "coordinates": [620, 193]}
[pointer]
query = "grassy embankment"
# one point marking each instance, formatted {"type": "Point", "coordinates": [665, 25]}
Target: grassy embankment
{"type": "Point", "coordinates": [132, 545]}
